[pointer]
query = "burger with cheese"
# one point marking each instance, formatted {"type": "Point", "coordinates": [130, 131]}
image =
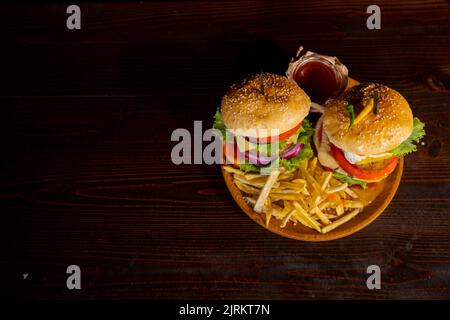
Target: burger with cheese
{"type": "Point", "coordinates": [363, 133]}
{"type": "Point", "coordinates": [262, 120]}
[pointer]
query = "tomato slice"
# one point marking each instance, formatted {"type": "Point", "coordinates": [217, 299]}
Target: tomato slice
{"type": "Point", "coordinates": [359, 173]}
{"type": "Point", "coordinates": [230, 153]}
{"type": "Point", "coordinates": [281, 137]}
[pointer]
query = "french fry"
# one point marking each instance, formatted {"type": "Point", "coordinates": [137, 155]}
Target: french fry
{"type": "Point", "coordinates": [233, 170]}
{"type": "Point", "coordinates": [276, 210]}
{"type": "Point", "coordinates": [312, 165]}
{"type": "Point", "coordinates": [326, 180]}
{"type": "Point", "coordinates": [302, 213]}
{"type": "Point", "coordinates": [290, 185]}
{"type": "Point", "coordinates": [353, 204]}
{"type": "Point", "coordinates": [246, 188]}
{"type": "Point", "coordinates": [302, 202]}
{"type": "Point", "coordinates": [340, 210]}
{"type": "Point", "coordinates": [284, 196]}
{"type": "Point", "coordinates": [288, 176]}
{"type": "Point", "coordinates": [251, 176]}
{"type": "Point", "coordinates": [286, 219]}
{"type": "Point", "coordinates": [351, 193]}
{"type": "Point", "coordinates": [266, 190]}
{"type": "Point", "coordinates": [340, 221]}
{"type": "Point", "coordinates": [337, 189]}
{"type": "Point", "coordinates": [321, 216]}
{"type": "Point", "coordinates": [269, 211]}
{"type": "Point", "coordinates": [325, 204]}
{"type": "Point", "coordinates": [315, 185]}
{"type": "Point", "coordinates": [285, 191]}
{"type": "Point", "coordinates": [305, 164]}
{"type": "Point", "coordinates": [257, 183]}
{"type": "Point", "coordinates": [299, 181]}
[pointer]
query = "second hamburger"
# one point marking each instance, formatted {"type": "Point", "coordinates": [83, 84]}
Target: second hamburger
{"type": "Point", "coordinates": [363, 133]}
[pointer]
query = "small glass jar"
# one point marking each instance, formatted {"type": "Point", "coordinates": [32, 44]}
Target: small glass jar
{"type": "Point", "coordinates": [321, 77]}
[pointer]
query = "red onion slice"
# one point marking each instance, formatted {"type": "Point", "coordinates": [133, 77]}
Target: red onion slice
{"type": "Point", "coordinates": [287, 154]}
{"type": "Point", "coordinates": [292, 151]}
{"type": "Point", "coordinates": [261, 159]}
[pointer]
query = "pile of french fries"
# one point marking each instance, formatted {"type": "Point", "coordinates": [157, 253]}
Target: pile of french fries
{"type": "Point", "coordinates": [309, 195]}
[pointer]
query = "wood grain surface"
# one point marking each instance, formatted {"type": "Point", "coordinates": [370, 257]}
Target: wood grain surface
{"type": "Point", "coordinates": [86, 176]}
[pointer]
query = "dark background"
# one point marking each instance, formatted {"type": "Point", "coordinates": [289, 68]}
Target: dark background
{"type": "Point", "coordinates": [86, 177]}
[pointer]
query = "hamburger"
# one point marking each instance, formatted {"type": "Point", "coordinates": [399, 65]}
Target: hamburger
{"type": "Point", "coordinates": [262, 120]}
{"type": "Point", "coordinates": [363, 133]}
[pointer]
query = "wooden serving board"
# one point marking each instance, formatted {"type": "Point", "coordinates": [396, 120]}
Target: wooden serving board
{"type": "Point", "coordinates": [380, 195]}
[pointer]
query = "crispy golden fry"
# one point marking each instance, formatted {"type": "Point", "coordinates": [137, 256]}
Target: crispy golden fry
{"type": "Point", "coordinates": [340, 210]}
{"type": "Point", "coordinates": [233, 170]}
{"type": "Point", "coordinates": [257, 183]}
{"type": "Point", "coordinates": [299, 181]}
{"type": "Point", "coordinates": [285, 191]}
{"type": "Point", "coordinates": [276, 210]}
{"type": "Point", "coordinates": [305, 217]}
{"type": "Point", "coordinates": [326, 204]}
{"type": "Point", "coordinates": [340, 221]}
{"type": "Point", "coordinates": [326, 180]}
{"type": "Point", "coordinates": [353, 204]}
{"type": "Point", "coordinates": [246, 188]}
{"type": "Point", "coordinates": [286, 219]}
{"type": "Point", "coordinates": [310, 179]}
{"type": "Point", "coordinates": [312, 165]}
{"type": "Point", "coordinates": [321, 216]}
{"type": "Point", "coordinates": [284, 196]}
{"type": "Point", "coordinates": [266, 190]}
{"type": "Point", "coordinates": [302, 202]}
{"type": "Point", "coordinates": [269, 211]}
{"type": "Point", "coordinates": [337, 189]}
{"type": "Point", "coordinates": [286, 176]}
{"type": "Point", "coordinates": [290, 185]}
{"type": "Point", "coordinates": [351, 193]}
{"type": "Point", "coordinates": [251, 176]}
{"type": "Point", "coordinates": [305, 165]}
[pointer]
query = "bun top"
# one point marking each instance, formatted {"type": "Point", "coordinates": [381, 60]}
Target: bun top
{"type": "Point", "coordinates": [283, 105]}
{"type": "Point", "coordinates": [376, 133]}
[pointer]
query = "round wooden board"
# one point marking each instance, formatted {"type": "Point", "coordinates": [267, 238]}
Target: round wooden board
{"type": "Point", "coordinates": [385, 191]}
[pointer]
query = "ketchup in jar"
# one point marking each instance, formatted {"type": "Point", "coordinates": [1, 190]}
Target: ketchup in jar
{"type": "Point", "coordinates": [321, 77]}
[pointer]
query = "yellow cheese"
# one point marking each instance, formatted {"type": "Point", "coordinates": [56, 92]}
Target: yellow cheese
{"type": "Point", "coordinates": [367, 109]}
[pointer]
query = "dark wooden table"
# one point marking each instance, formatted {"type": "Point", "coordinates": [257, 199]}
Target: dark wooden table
{"type": "Point", "coordinates": [86, 176]}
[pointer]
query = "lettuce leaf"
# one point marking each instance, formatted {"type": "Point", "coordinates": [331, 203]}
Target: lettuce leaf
{"type": "Point", "coordinates": [295, 162]}
{"type": "Point", "coordinates": [349, 180]}
{"type": "Point", "coordinates": [249, 167]}
{"type": "Point", "coordinates": [306, 132]}
{"type": "Point", "coordinates": [218, 123]}
{"type": "Point", "coordinates": [409, 145]}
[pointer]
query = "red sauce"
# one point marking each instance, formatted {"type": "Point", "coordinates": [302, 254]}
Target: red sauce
{"type": "Point", "coordinates": [319, 80]}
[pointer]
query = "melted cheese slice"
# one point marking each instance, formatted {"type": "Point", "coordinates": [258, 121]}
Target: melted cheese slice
{"type": "Point", "coordinates": [357, 159]}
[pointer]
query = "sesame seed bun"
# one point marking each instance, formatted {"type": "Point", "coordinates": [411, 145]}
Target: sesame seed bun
{"type": "Point", "coordinates": [283, 105]}
{"type": "Point", "coordinates": [376, 133]}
